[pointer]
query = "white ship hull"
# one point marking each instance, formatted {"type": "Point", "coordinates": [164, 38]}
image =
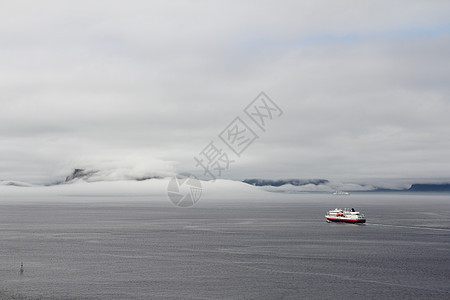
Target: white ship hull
{"type": "Point", "coordinates": [345, 215]}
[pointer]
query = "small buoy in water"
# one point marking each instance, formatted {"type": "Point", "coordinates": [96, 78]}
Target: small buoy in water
{"type": "Point", "coordinates": [21, 268]}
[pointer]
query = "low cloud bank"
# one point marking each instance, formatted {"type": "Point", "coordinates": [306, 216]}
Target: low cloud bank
{"type": "Point", "coordinates": [323, 185]}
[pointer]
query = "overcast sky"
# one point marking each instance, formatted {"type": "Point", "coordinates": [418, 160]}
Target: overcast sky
{"type": "Point", "coordinates": [141, 87]}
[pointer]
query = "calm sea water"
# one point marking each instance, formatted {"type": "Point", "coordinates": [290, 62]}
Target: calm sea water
{"type": "Point", "coordinates": [278, 249]}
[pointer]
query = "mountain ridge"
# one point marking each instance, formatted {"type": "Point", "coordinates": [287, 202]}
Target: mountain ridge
{"type": "Point", "coordinates": [315, 183]}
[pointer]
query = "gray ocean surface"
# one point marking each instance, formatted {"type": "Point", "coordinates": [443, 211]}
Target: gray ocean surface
{"type": "Point", "coordinates": [137, 248]}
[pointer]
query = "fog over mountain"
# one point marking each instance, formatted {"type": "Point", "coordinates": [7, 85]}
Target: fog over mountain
{"type": "Point", "coordinates": [96, 179]}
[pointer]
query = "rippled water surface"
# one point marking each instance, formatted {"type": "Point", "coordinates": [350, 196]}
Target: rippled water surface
{"type": "Point", "coordinates": [283, 248]}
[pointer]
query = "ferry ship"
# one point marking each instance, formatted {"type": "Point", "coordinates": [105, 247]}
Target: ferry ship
{"type": "Point", "coordinates": [347, 215]}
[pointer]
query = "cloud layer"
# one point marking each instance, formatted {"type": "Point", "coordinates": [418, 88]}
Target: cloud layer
{"type": "Point", "coordinates": [146, 85]}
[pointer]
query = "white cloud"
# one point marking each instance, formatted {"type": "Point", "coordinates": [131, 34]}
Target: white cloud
{"type": "Point", "coordinates": [364, 85]}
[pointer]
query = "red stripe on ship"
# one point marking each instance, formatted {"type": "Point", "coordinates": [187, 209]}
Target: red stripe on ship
{"type": "Point", "coordinates": [347, 220]}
